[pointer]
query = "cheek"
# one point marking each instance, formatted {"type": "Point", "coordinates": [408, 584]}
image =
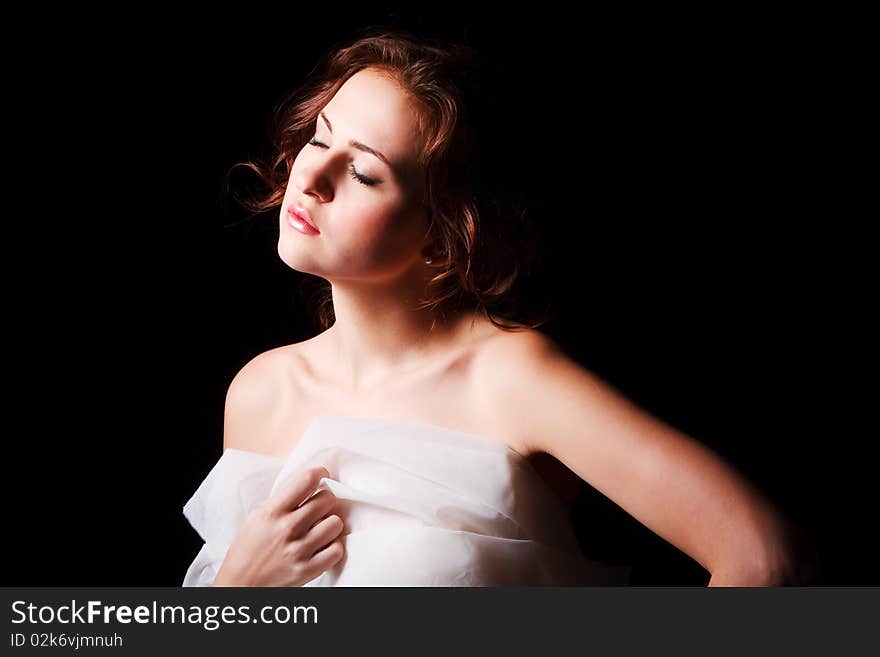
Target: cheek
{"type": "Point", "coordinates": [381, 231]}
{"type": "Point", "coordinates": [369, 223]}
{"type": "Point", "coordinates": [367, 212]}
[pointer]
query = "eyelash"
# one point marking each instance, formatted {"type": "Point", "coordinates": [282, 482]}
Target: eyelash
{"type": "Point", "coordinates": [363, 180]}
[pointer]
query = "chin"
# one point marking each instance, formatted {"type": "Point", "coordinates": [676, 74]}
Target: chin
{"type": "Point", "coordinates": [293, 257]}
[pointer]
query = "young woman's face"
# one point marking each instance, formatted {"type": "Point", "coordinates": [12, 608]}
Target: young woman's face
{"type": "Point", "coordinates": [369, 211]}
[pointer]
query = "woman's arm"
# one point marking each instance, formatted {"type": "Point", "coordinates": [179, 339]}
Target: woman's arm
{"type": "Point", "coordinates": [671, 483]}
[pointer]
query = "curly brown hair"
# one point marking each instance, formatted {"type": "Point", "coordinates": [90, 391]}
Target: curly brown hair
{"type": "Point", "coordinates": [481, 226]}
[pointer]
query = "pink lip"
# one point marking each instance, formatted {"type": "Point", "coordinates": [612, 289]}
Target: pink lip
{"type": "Point", "coordinates": [304, 215]}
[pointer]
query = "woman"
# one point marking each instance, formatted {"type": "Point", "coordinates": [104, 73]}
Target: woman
{"type": "Point", "coordinates": [415, 414]}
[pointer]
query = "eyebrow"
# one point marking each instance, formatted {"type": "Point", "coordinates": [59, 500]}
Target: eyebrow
{"type": "Point", "coordinates": [358, 145]}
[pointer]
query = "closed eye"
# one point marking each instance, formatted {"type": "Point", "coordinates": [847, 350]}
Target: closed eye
{"type": "Point", "coordinates": [363, 180]}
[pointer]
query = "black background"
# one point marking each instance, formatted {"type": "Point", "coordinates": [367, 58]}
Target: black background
{"type": "Point", "coordinates": [684, 176]}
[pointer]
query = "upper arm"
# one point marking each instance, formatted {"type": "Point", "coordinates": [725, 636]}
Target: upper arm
{"type": "Point", "coordinates": [251, 399]}
{"type": "Point", "coordinates": [668, 481]}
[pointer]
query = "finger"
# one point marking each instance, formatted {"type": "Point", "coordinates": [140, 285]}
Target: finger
{"type": "Point", "coordinates": [313, 509]}
{"type": "Point", "coordinates": [297, 489]}
{"type": "Point", "coordinates": [322, 534]}
{"type": "Point", "coordinates": [328, 556]}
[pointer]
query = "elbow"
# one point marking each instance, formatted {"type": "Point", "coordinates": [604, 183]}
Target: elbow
{"type": "Point", "coordinates": [784, 556]}
{"type": "Point", "coordinates": [780, 573]}
{"type": "Point", "coordinates": [740, 576]}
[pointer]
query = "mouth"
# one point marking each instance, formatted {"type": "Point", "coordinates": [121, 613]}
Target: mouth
{"type": "Point", "coordinates": [300, 219]}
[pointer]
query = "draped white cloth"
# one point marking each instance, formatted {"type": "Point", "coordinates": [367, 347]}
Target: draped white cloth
{"type": "Point", "coordinates": [423, 505]}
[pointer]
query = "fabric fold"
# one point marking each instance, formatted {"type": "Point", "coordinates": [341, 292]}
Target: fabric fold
{"type": "Point", "coordinates": [423, 505]}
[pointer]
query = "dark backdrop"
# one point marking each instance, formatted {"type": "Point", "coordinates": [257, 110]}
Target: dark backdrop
{"type": "Point", "coordinates": [677, 171]}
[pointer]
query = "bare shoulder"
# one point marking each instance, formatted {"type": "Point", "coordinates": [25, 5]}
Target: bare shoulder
{"type": "Point", "coordinates": [544, 394]}
{"type": "Point", "coordinates": [504, 369]}
{"type": "Point", "coordinates": [254, 396]}
{"type": "Point", "coordinates": [507, 353]}
{"type": "Point", "coordinates": [521, 343]}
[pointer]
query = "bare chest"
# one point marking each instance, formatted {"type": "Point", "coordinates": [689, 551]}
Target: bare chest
{"type": "Point", "coordinates": [446, 397]}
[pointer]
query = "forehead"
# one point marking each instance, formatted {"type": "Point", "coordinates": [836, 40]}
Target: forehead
{"type": "Point", "coordinates": [373, 109]}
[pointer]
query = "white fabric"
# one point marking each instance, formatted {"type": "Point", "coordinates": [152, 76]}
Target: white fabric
{"type": "Point", "coordinates": [423, 505]}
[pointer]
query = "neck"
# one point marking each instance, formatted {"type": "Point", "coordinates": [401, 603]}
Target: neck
{"type": "Point", "coordinates": [380, 331]}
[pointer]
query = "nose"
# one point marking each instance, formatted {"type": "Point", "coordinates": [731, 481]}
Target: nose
{"type": "Point", "coordinates": [311, 180]}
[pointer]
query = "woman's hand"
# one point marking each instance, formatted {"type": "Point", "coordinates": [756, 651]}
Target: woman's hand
{"type": "Point", "coordinates": [288, 540]}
